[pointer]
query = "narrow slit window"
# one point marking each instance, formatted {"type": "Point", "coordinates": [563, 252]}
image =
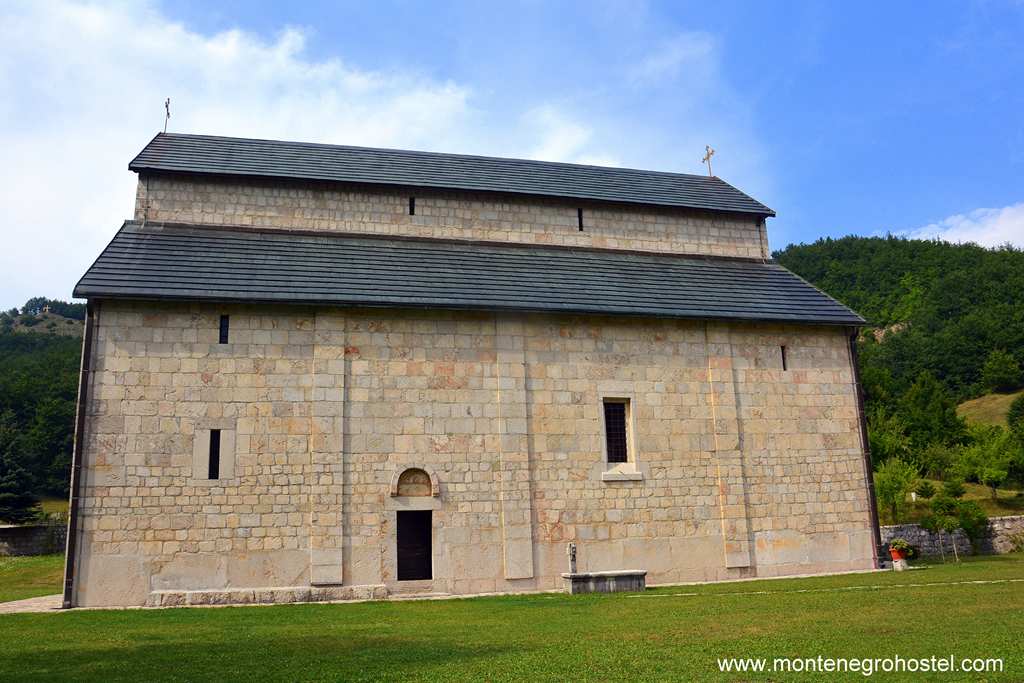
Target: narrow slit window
{"type": "Point", "coordinates": [579, 218]}
{"type": "Point", "coordinates": [785, 363]}
{"type": "Point", "coordinates": [615, 417]}
{"type": "Point", "coordinates": [224, 329]}
{"type": "Point", "coordinates": [214, 470]}
{"type": "Point", "coordinates": [412, 206]}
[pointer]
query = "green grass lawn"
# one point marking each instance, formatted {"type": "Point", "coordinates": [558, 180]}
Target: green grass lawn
{"type": "Point", "coordinates": [29, 577]}
{"type": "Point", "coordinates": [658, 635]}
{"type": "Point", "coordinates": [989, 409]}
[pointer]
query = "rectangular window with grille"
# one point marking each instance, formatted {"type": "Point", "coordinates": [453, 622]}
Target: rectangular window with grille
{"type": "Point", "coordinates": [616, 419]}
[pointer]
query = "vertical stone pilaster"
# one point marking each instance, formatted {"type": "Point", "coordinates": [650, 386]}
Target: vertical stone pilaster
{"type": "Point", "coordinates": [727, 445]}
{"type": "Point", "coordinates": [326, 452]}
{"type": "Point", "coordinates": [513, 450]}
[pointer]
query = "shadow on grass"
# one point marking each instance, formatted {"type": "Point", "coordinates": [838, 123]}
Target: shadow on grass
{"type": "Point", "coordinates": [290, 657]}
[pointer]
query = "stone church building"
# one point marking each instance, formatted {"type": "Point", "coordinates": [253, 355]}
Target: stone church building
{"type": "Point", "coordinates": [317, 372]}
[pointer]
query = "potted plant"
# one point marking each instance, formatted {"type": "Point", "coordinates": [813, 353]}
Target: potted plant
{"type": "Point", "coordinates": [899, 549]}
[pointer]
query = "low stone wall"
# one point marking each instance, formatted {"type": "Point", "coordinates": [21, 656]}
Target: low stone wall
{"type": "Point", "coordinates": [33, 539]}
{"type": "Point", "coordinates": [1005, 534]}
{"type": "Point", "coordinates": [266, 596]}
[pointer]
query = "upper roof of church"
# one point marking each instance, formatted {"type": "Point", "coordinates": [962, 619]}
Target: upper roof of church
{"type": "Point", "coordinates": [174, 152]}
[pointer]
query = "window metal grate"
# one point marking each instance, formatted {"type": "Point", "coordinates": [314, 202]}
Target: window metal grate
{"type": "Point", "coordinates": [214, 472]}
{"type": "Point", "coordinates": [224, 329]}
{"type": "Point", "coordinates": [615, 430]}
{"type": "Point", "coordinates": [412, 206]}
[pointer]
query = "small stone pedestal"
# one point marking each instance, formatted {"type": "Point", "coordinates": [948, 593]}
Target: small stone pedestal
{"type": "Point", "coordinates": [623, 580]}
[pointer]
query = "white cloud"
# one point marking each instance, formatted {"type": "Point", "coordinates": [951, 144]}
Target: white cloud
{"type": "Point", "coordinates": [692, 50]}
{"type": "Point", "coordinates": [558, 137]}
{"type": "Point", "coordinates": [987, 227]}
{"type": "Point", "coordinates": [82, 88]}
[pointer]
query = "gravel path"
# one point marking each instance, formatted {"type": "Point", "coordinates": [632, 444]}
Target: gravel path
{"type": "Point", "coordinates": [46, 603]}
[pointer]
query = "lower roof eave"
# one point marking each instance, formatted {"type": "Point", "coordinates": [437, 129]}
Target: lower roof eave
{"type": "Point", "coordinates": [81, 293]}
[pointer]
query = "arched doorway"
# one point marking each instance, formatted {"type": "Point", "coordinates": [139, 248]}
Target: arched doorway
{"type": "Point", "coordinates": [414, 528]}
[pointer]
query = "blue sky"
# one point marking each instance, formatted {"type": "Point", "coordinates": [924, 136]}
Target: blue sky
{"type": "Point", "coordinates": [844, 117]}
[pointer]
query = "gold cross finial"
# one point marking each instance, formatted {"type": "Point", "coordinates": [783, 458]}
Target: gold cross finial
{"type": "Point", "coordinates": [708, 153]}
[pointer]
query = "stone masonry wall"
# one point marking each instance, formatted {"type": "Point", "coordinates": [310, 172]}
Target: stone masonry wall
{"type": "Point", "coordinates": [1005, 535]}
{"type": "Point", "coordinates": [453, 215]}
{"type": "Point", "coordinates": [32, 539]}
{"type": "Point", "coordinates": [738, 467]}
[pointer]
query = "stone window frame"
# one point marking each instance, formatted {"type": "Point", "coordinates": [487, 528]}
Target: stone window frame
{"type": "Point", "coordinates": [620, 471]}
{"type": "Point", "coordinates": [201, 452]}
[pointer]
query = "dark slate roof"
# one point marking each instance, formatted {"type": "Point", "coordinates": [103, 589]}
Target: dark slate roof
{"type": "Point", "coordinates": [173, 152]}
{"type": "Point", "coordinates": [203, 263]}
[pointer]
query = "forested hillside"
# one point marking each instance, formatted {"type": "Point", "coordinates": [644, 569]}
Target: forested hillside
{"type": "Point", "coordinates": [38, 384]}
{"type": "Point", "coordinates": [951, 304]}
{"type": "Point", "coordinates": [947, 324]}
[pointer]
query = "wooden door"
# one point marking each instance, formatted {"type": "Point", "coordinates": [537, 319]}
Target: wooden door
{"type": "Point", "coordinates": [414, 545]}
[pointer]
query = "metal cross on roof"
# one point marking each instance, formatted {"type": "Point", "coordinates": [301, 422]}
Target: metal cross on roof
{"type": "Point", "coordinates": [708, 153]}
{"type": "Point", "coordinates": [167, 108]}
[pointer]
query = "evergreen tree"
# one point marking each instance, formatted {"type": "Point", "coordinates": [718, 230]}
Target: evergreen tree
{"type": "Point", "coordinates": [929, 413]}
{"type": "Point", "coordinates": [1015, 418]}
{"type": "Point", "coordinates": [17, 503]}
{"type": "Point", "coordinates": [1001, 372]}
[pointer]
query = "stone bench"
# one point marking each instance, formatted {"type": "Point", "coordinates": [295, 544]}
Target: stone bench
{"type": "Point", "coordinates": [606, 582]}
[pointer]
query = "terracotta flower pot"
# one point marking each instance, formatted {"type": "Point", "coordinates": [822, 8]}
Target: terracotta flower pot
{"type": "Point", "coordinates": [897, 554]}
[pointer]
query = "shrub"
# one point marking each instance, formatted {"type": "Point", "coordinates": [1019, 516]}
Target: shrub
{"type": "Point", "coordinates": [894, 479]}
{"type": "Point", "coordinates": [925, 490]}
{"type": "Point", "coordinates": [953, 488]}
{"type": "Point", "coordinates": [973, 520]}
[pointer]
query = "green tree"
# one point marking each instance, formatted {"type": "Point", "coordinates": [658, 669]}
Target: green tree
{"type": "Point", "coordinates": [973, 520]}
{"type": "Point", "coordinates": [886, 436]}
{"type": "Point", "coordinates": [989, 456]}
{"type": "Point", "coordinates": [1001, 372]}
{"type": "Point", "coordinates": [944, 518]}
{"type": "Point", "coordinates": [929, 413]}
{"type": "Point", "coordinates": [894, 479]}
{"type": "Point", "coordinates": [935, 460]}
